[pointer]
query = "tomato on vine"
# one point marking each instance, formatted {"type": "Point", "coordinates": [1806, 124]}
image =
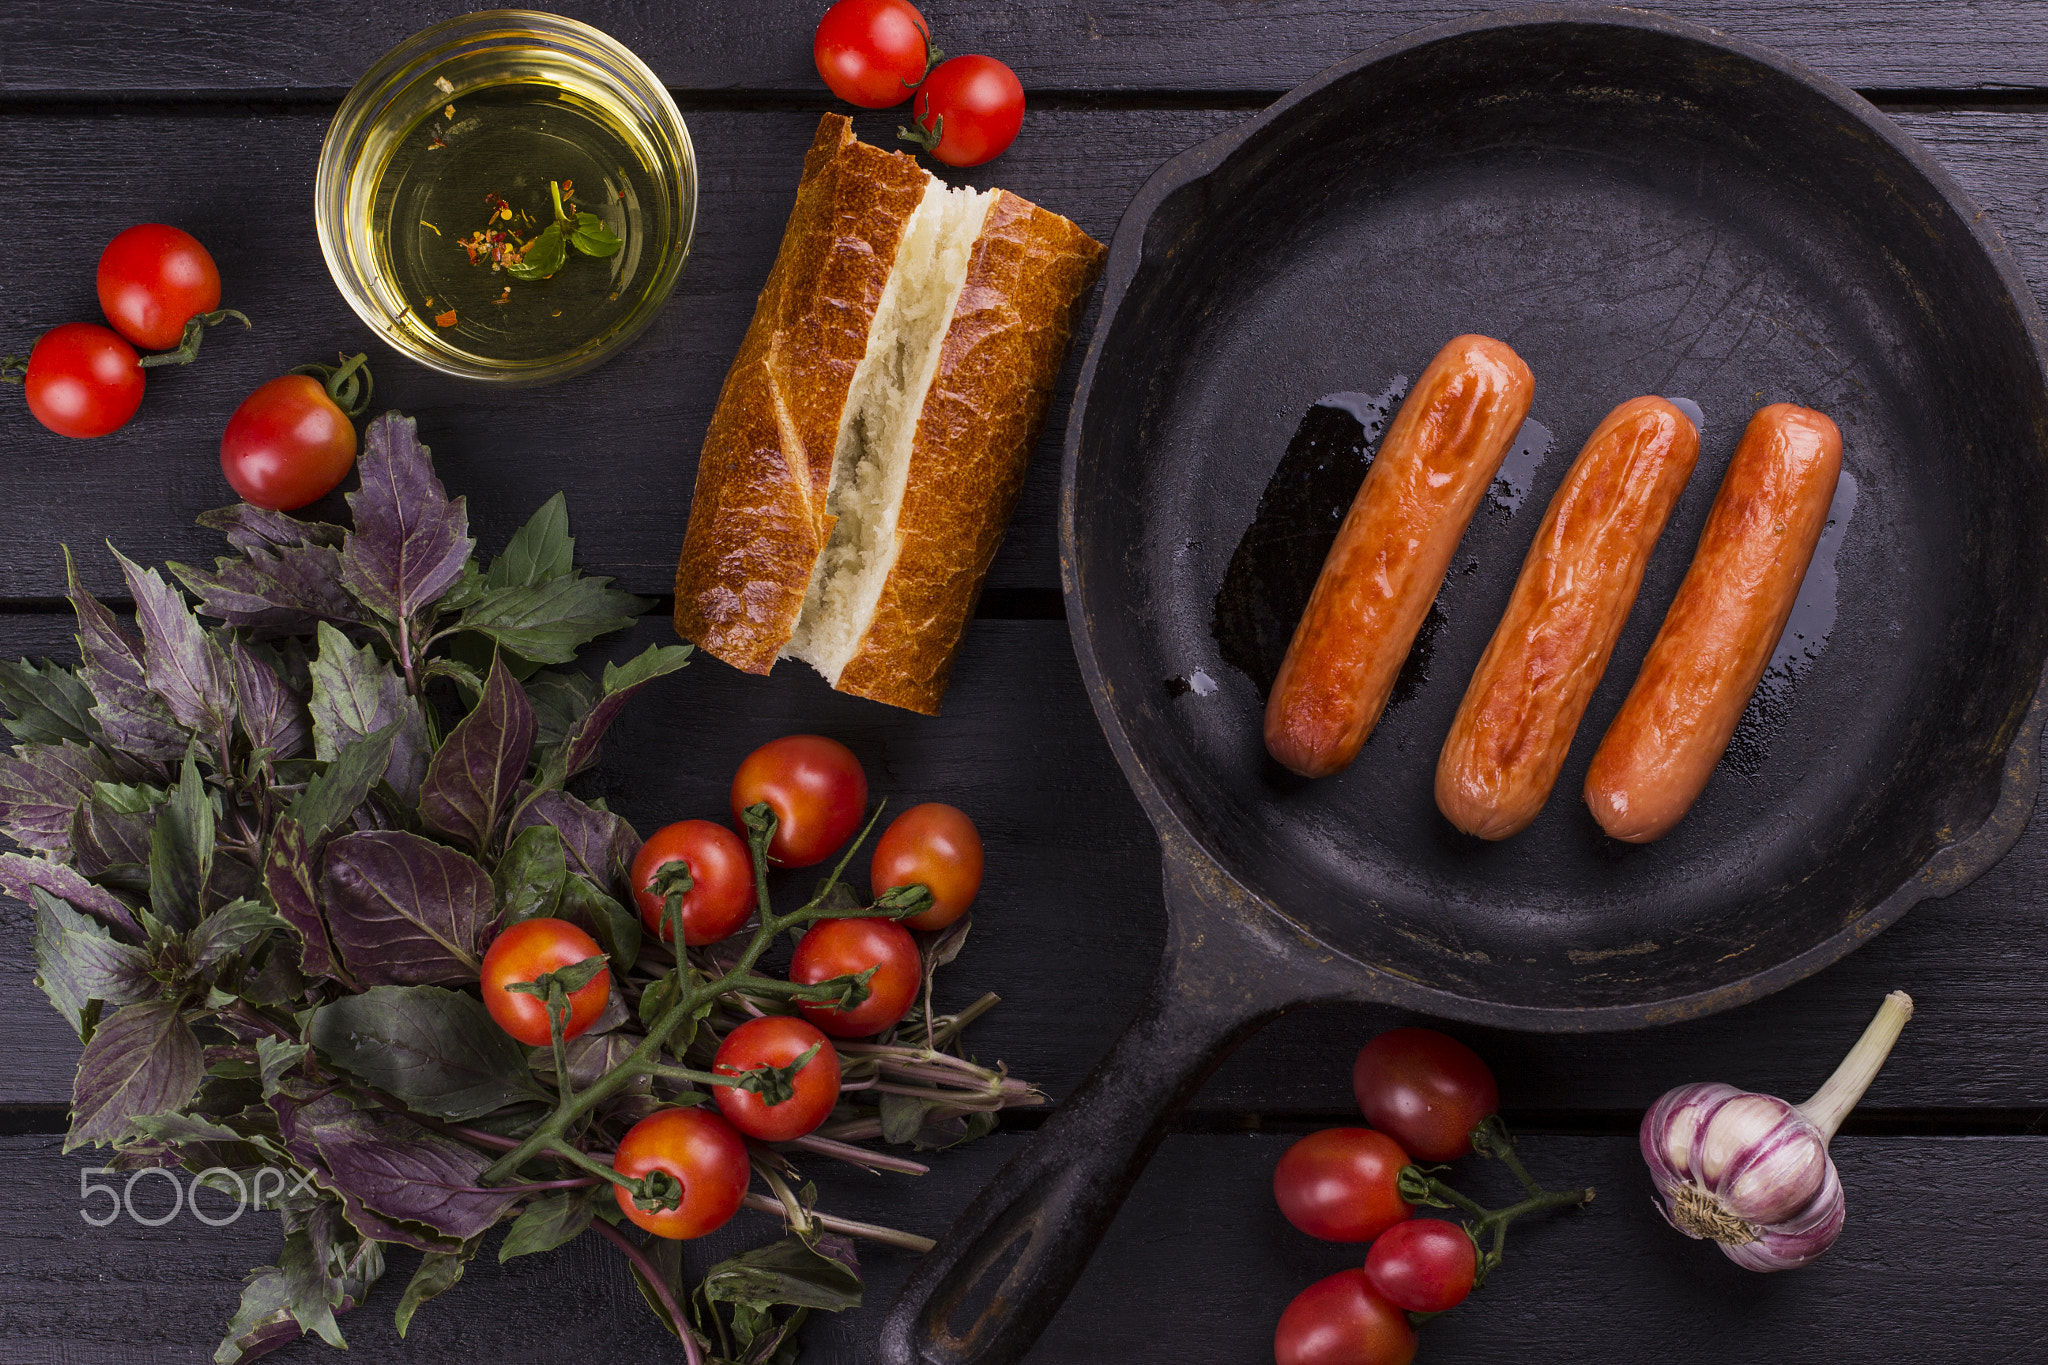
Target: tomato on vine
{"type": "Point", "coordinates": [873, 53]}
{"type": "Point", "coordinates": [848, 947]}
{"type": "Point", "coordinates": [294, 439]}
{"type": "Point", "coordinates": [787, 1105]}
{"type": "Point", "coordinates": [1342, 1184]}
{"type": "Point", "coordinates": [697, 874]}
{"type": "Point", "coordinates": [153, 279]}
{"type": "Point", "coordinates": [967, 111]}
{"type": "Point", "coordinates": [703, 1168]}
{"type": "Point", "coordinates": [1425, 1265]}
{"type": "Point", "coordinates": [815, 786]}
{"type": "Point", "coordinates": [1342, 1320]}
{"type": "Point", "coordinates": [81, 380]}
{"type": "Point", "coordinates": [527, 951]}
{"type": "Point", "coordinates": [934, 845]}
{"type": "Point", "coordinates": [1426, 1090]}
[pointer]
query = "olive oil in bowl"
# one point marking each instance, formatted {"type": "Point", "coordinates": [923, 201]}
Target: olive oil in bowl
{"type": "Point", "coordinates": [511, 201]}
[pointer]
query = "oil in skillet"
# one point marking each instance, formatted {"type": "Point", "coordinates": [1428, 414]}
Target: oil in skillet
{"type": "Point", "coordinates": [1277, 560]}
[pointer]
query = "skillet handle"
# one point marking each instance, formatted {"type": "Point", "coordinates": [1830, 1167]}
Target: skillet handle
{"type": "Point", "coordinates": [982, 1296]}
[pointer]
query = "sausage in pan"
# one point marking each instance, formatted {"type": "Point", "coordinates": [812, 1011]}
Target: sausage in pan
{"type": "Point", "coordinates": [1578, 583]}
{"type": "Point", "coordinates": [1443, 449]}
{"type": "Point", "coordinates": [1718, 636]}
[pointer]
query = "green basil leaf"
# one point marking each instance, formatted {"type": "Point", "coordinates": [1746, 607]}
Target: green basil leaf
{"type": "Point", "coordinates": [542, 257]}
{"type": "Point", "coordinates": [593, 238]}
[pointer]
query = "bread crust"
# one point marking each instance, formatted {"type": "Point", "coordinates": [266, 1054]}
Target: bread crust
{"type": "Point", "coordinates": [1027, 277]}
{"type": "Point", "coordinates": [757, 518]}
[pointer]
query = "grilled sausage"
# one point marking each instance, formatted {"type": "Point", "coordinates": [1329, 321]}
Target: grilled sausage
{"type": "Point", "coordinates": [1443, 449]}
{"type": "Point", "coordinates": [1718, 636]}
{"type": "Point", "coordinates": [1578, 583]}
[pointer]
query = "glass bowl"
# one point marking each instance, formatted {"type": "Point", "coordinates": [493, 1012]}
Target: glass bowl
{"type": "Point", "coordinates": [490, 108]}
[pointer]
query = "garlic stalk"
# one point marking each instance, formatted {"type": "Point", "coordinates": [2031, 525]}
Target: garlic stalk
{"type": "Point", "coordinates": [1752, 1172]}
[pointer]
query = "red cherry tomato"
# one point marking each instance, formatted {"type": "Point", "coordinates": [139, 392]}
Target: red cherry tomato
{"type": "Point", "coordinates": [1341, 1321]}
{"type": "Point", "coordinates": [969, 110]}
{"type": "Point", "coordinates": [530, 949]}
{"type": "Point", "coordinates": [1339, 1184]}
{"type": "Point", "coordinates": [721, 893]}
{"type": "Point", "coordinates": [82, 380]}
{"type": "Point", "coordinates": [153, 279]}
{"type": "Point", "coordinates": [872, 52]}
{"type": "Point", "coordinates": [848, 947]}
{"type": "Point", "coordinates": [816, 788]}
{"type": "Point", "coordinates": [287, 445]}
{"type": "Point", "coordinates": [777, 1040]}
{"type": "Point", "coordinates": [1428, 1091]}
{"type": "Point", "coordinates": [937, 845]}
{"type": "Point", "coordinates": [701, 1151]}
{"type": "Point", "coordinates": [1425, 1266]}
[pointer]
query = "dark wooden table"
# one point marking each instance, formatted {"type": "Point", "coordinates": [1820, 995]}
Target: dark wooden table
{"type": "Point", "coordinates": [209, 115]}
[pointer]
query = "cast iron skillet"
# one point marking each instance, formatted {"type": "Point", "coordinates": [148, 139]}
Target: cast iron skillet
{"type": "Point", "coordinates": [1638, 206]}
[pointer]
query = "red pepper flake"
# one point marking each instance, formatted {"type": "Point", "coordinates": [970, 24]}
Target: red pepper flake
{"type": "Point", "coordinates": [446, 319]}
{"type": "Point", "coordinates": [504, 298]}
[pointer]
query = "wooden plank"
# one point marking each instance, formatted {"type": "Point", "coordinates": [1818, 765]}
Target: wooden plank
{"type": "Point", "coordinates": [1196, 1269]}
{"type": "Point", "coordinates": [154, 47]}
{"type": "Point", "coordinates": [1069, 923]}
{"type": "Point", "coordinates": [623, 439]}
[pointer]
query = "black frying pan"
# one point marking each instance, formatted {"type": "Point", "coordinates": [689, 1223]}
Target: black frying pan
{"type": "Point", "coordinates": [1638, 206]}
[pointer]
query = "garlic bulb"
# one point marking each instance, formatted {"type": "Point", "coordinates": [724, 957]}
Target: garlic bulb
{"type": "Point", "coordinates": [1753, 1172]}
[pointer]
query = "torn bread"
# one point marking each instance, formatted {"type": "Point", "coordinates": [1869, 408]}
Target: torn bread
{"type": "Point", "coordinates": [873, 432]}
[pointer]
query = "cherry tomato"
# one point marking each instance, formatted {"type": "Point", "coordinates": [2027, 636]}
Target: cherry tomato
{"type": "Point", "coordinates": [777, 1040]}
{"type": "Point", "coordinates": [816, 788]}
{"type": "Point", "coordinates": [969, 110]}
{"type": "Point", "coordinates": [152, 280]}
{"type": "Point", "coordinates": [1339, 1184]}
{"type": "Point", "coordinates": [937, 845]}
{"type": "Point", "coordinates": [1428, 1091]}
{"type": "Point", "coordinates": [848, 947]}
{"type": "Point", "coordinates": [721, 894]}
{"type": "Point", "coordinates": [701, 1151]}
{"type": "Point", "coordinates": [1341, 1321]}
{"type": "Point", "coordinates": [82, 380]}
{"type": "Point", "coordinates": [529, 949]}
{"type": "Point", "coordinates": [1425, 1265]}
{"type": "Point", "coordinates": [872, 52]}
{"type": "Point", "coordinates": [287, 445]}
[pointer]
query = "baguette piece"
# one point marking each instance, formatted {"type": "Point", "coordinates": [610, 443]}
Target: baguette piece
{"type": "Point", "coordinates": [873, 433]}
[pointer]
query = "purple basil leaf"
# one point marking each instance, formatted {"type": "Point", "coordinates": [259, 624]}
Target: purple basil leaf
{"type": "Point", "coordinates": [48, 703]}
{"type": "Point", "coordinates": [42, 787]}
{"type": "Point", "coordinates": [181, 848]}
{"type": "Point", "coordinates": [272, 715]}
{"type": "Point", "coordinates": [579, 748]}
{"type": "Point", "coordinates": [20, 875]}
{"type": "Point", "coordinates": [356, 693]}
{"type": "Point", "coordinates": [274, 591]}
{"type": "Point", "coordinates": [405, 911]}
{"type": "Point", "coordinates": [305, 1284]}
{"type": "Point", "coordinates": [599, 844]}
{"type": "Point", "coordinates": [410, 542]}
{"type": "Point", "coordinates": [132, 717]}
{"type": "Point", "coordinates": [293, 887]}
{"type": "Point", "coordinates": [472, 776]}
{"type": "Point", "coordinates": [249, 527]}
{"type": "Point", "coordinates": [228, 931]}
{"type": "Point", "coordinates": [436, 1051]}
{"type": "Point", "coordinates": [263, 1321]}
{"type": "Point", "coordinates": [142, 1060]}
{"type": "Point", "coordinates": [180, 661]}
{"type": "Point", "coordinates": [391, 1173]}
{"type": "Point", "coordinates": [78, 961]}
{"type": "Point", "coordinates": [107, 832]}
